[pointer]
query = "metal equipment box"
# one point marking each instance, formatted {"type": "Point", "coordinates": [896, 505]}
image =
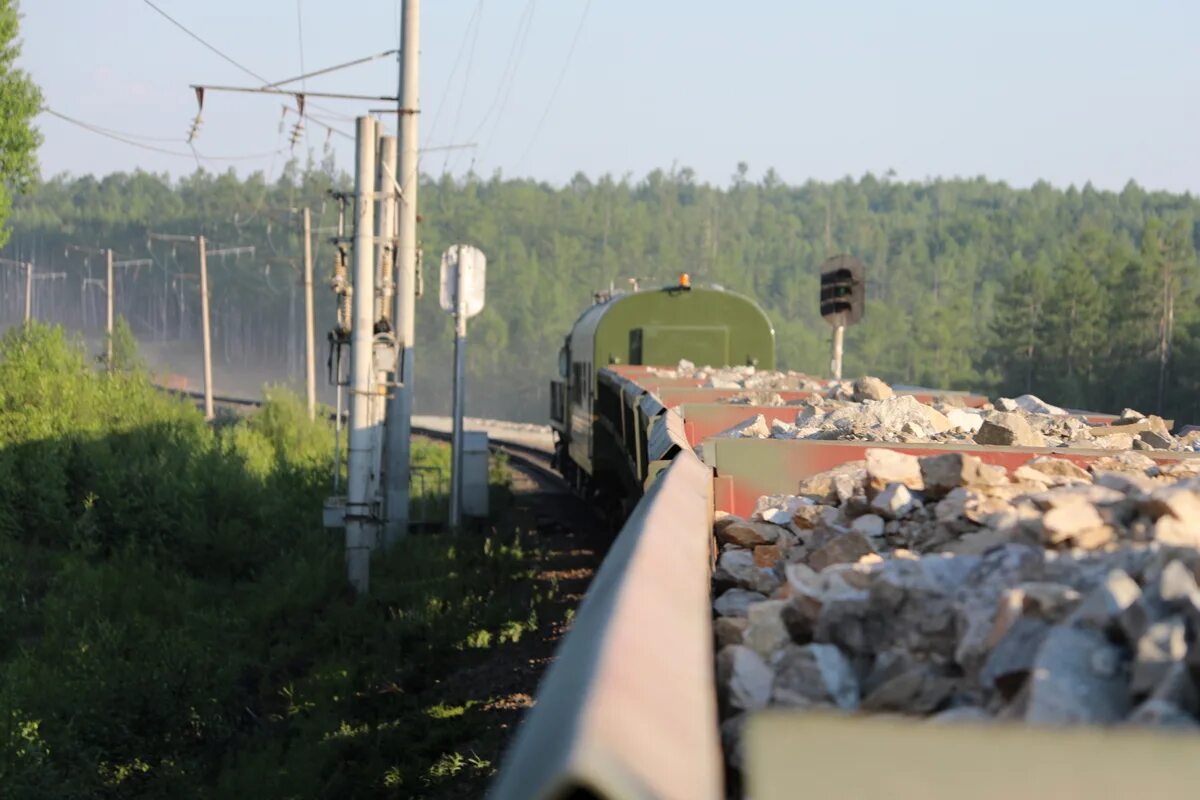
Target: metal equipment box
{"type": "Point", "coordinates": [475, 474]}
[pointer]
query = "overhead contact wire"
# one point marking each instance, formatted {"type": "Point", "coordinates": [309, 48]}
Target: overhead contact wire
{"type": "Point", "coordinates": [562, 74]}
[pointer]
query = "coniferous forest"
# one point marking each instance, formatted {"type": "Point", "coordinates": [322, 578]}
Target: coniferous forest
{"type": "Point", "coordinates": [1084, 297]}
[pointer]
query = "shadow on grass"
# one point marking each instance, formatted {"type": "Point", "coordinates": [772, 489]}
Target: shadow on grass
{"type": "Point", "coordinates": [175, 623]}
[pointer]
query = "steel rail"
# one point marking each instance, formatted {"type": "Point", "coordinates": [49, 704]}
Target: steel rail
{"type": "Point", "coordinates": [529, 456]}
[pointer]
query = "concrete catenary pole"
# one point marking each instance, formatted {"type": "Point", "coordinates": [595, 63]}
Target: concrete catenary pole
{"type": "Point", "coordinates": [205, 330]}
{"type": "Point", "coordinates": [384, 233]}
{"type": "Point", "coordinates": [108, 307]}
{"type": "Point", "coordinates": [460, 347]}
{"type": "Point", "coordinates": [360, 523]}
{"type": "Point", "coordinates": [399, 413]}
{"type": "Point", "coordinates": [385, 227]}
{"type": "Point", "coordinates": [384, 259]}
{"type": "Point", "coordinates": [310, 345]}
{"type": "Point", "coordinates": [29, 293]}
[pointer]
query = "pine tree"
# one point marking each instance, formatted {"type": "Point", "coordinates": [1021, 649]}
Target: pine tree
{"type": "Point", "coordinates": [20, 101]}
{"type": "Point", "coordinates": [1015, 348]}
{"type": "Point", "coordinates": [1072, 329]}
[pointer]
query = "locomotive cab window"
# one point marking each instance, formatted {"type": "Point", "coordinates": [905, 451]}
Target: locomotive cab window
{"type": "Point", "coordinates": [580, 378]}
{"type": "Point", "coordinates": [564, 361]}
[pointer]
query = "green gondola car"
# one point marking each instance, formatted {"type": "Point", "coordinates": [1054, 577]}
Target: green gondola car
{"type": "Point", "coordinates": [654, 327]}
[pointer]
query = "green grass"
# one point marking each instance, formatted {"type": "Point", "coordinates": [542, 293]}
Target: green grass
{"type": "Point", "coordinates": [175, 623]}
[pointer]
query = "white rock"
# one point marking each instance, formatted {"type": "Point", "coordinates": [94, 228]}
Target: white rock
{"type": "Point", "coordinates": [869, 388]}
{"type": "Point", "coordinates": [746, 677]}
{"type": "Point", "coordinates": [766, 632]}
{"type": "Point", "coordinates": [1077, 679]}
{"type": "Point", "coordinates": [755, 427]}
{"type": "Point", "coordinates": [737, 566]}
{"type": "Point", "coordinates": [779, 509]}
{"type": "Point", "coordinates": [963, 420]}
{"type": "Point", "coordinates": [783, 430]}
{"type": "Point", "coordinates": [814, 674]}
{"type": "Point", "coordinates": [869, 525]}
{"type": "Point", "coordinates": [1163, 645]}
{"type": "Point", "coordinates": [1008, 429]}
{"type": "Point", "coordinates": [1035, 405]}
{"type": "Point", "coordinates": [736, 602]}
{"type": "Point", "coordinates": [894, 502]}
{"type": "Point", "coordinates": [888, 466]}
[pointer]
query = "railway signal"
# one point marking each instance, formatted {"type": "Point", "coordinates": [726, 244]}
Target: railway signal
{"type": "Point", "coordinates": [843, 300]}
{"type": "Point", "coordinates": [464, 272]}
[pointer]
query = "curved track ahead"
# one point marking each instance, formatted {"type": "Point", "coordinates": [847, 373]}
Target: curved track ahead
{"type": "Point", "coordinates": [529, 457]}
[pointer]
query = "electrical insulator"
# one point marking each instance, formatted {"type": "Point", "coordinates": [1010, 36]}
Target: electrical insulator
{"type": "Point", "coordinates": [194, 131]}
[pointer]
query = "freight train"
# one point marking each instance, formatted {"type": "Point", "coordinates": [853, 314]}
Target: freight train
{"type": "Point", "coordinates": [600, 443]}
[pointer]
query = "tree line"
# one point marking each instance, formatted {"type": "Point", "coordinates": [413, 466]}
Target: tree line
{"type": "Point", "coordinates": [1083, 296]}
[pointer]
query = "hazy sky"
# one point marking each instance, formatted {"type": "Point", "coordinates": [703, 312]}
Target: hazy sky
{"type": "Point", "coordinates": [1066, 91]}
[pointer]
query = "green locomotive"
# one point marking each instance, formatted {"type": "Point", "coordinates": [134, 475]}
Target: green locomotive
{"type": "Point", "coordinates": [707, 326]}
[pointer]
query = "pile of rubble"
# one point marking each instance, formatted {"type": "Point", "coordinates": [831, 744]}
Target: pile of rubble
{"type": "Point", "coordinates": [868, 410]}
{"type": "Point", "coordinates": [760, 385]}
{"type": "Point", "coordinates": [946, 588]}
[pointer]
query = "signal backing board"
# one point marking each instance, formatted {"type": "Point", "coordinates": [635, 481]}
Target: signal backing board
{"type": "Point", "coordinates": [843, 290]}
{"type": "Point", "coordinates": [473, 263]}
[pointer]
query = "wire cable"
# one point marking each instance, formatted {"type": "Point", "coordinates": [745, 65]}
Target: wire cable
{"type": "Point", "coordinates": [225, 57]}
{"type": "Point", "coordinates": [445, 96]}
{"type": "Point", "coordinates": [509, 72]}
{"type": "Point", "coordinates": [303, 70]}
{"type": "Point", "coordinates": [517, 52]}
{"type": "Point", "coordinates": [562, 74]}
{"type": "Point", "coordinates": [466, 81]}
{"type": "Point", "coordinates": [178, 153]}
{"type": "Point", "coordinates": [211, 47]}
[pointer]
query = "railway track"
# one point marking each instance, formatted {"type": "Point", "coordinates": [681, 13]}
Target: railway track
{"type": "Point", "coordinates": [529, 457]}
{"type": "Point", "coordinates": [535, 459]}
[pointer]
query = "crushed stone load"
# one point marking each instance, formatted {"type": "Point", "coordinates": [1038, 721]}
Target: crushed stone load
{"type": "Point", "coordinates": [759, 385]}
{"type": "Point", "coordinates": [944, 588]}
{"type": "Point", "coordinates": [867, 410]}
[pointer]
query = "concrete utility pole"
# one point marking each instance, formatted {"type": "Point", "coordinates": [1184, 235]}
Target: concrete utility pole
{"type": "Point", "coordinates": [206, 331]}
{"type": "Point", "coordinates": [460, 347]}
{"type": "Point", "coordinates": [399, 412]}
{"type": "Point", "coordinates": [385, 228]}
{"type": "Point", "coordinates": [29, 293]}
{"type": "Point", "coordinates": [110, 299]}
{"type": "Point", "coordinates": [110, 291]}
{"type": "Point", "coordinates": [108, 308]}
{"type": "Point", "coordinates": [28, 267]}
{"type": "Point", "coordinates": [107, 252]}
{"type": "Point", "coordinates": [310, 347]}
{"type": "Point", "coordinates": [361, 523]}
{"type": "Point", "coordinates": [384, 358]}
{"type": "Point", "coordinates": [205, 328]}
